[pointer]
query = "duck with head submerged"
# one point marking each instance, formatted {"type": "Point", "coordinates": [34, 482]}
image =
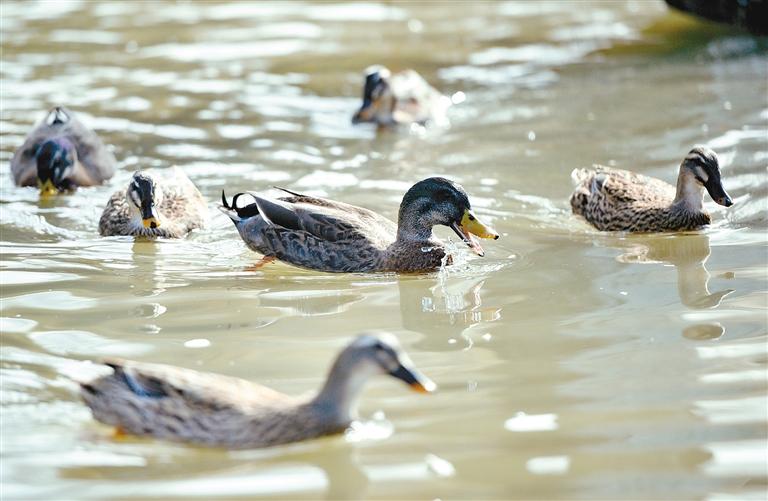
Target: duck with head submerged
{"type": "Point", "coordinates": [155, 206]}
{"type": "Point", "coordinates": [60, 154]}
{"type": "Point", "coordinates": [620, 200]}
{"type": "Point", "coordinates": [400, 98]}
{"type": "Point", "coordinates": [207, 409]}
{"type": "Point", "coordinates": [326, 235]}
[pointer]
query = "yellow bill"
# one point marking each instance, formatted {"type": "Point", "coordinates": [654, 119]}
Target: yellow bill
{"type": "Point", "coordinates": [47, 189]}
{"type": "Point", "coordinates": [470, 227]}
{"type": "Point", "coordinates": [150, 222]}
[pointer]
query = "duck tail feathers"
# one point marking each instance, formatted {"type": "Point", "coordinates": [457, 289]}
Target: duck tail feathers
{"type": "Point", "coordinates": [236, 213]}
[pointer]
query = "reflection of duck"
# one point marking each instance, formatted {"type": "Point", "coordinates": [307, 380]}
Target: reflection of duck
{"type": "Point", "coordinates": [208, 409]}
{"type": "Point", "coordinates": [687, 253]}
{"type": "Point", "coordinates": [402, 98]}
{"type": "Point", "coordinates": [60, 154]}
{"type": "Point", "coordinates": [331, 236]}
{"type": "Point", "coordinates": [620, 200]}
{"type": "Point", "coordinates": [155, 206]}
{"type": "Point", "coordinates": [448, 306]}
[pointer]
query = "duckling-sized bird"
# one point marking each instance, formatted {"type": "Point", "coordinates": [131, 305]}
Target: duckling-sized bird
{"type": "Point", "coordinates": [60, 154]}
{"type": "Point", "coordinates": [402, 98]}
{"type": "Point", "coordinates": [620, 200]}
{"type": "Point", "coordinates": [208, 409]}
{"type": "Point", "coordinates": [155, 206]}
{"type": "Point", "coordinates": [331, 236]}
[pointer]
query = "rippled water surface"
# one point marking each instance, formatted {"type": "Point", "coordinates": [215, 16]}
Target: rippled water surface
{"type": "Point", "coordinates": [571, 364]}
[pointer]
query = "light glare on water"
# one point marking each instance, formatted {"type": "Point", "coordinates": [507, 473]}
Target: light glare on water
{"type": "Point", "coordinates": [618, 366]}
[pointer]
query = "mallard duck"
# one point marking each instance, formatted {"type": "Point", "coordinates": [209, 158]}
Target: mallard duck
{"type": "Point", "coordinates": [155, 206]}
{"type": "Point", "coordinates": [620, 200]}
{"type": "Point", "coordinates": [219, 411]}
{"type": "Point", "coordinates": [331, 236]}
{"type": "Point", "coordinates": [402, 98]}
{"type": "Point", "coordinates": [60, 154]}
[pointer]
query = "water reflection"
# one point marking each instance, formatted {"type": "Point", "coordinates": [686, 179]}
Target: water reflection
{"type": "Point", "coordinates": [687, 253]}
{"type": "Point", "coordinates": [447, 306]}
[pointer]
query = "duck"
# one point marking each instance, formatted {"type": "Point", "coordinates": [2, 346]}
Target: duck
{"type": "Point", "coordinates": [60, 154]}
{"type": "Point", "coordinates": [184, 405]}
{"type": "Point", "coordinates": [400, 98]}
{"type": "Point", "coordinates": [326, 235]}
{"type": "Point", "coordinates": [620, 200]}
{"type": "Point", "coordinates": [153, 205]}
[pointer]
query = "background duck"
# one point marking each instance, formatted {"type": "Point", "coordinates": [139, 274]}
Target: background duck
{"type": "Point", "coordinates": [402, 98]}
{"type": "Point", "coordinates": [209, 409]}
{"type": "Point", "coordinates": [331, 236]}
{"type": "Point", "coordinates": [155, 206]}
{"type": "Point", "coordinates": [620, 200]}
{"type": "Point", "coordinates": [60, 154]}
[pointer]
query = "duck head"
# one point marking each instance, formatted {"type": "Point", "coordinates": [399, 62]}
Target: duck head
{"type": "Point", "coordinates": [144, 196]}
{"type": "Point", "coordinates": [378, 100]}
{"type": "Point", "coordinates": [367, 356]}
{"type": "Point", "coordinates": [703, 167]}
{"type": "Point", "coordinates": [56, 159]}
{"type": "Point", "coordinates": [439, 201]}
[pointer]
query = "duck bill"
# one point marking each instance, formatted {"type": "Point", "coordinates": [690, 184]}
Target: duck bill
{"type": "Point", "coordinates": [716, 190]}
{"type": "Point", "coordinates": [149, 218]}
{"type": "Point", "coordinates": [47, 189]}
{"type": "Point", "coordinates": [470, 227]}
{"type": "Point", "coordinates": [365, 113]}
{"type": "Point", "coordinates": [413, 378]}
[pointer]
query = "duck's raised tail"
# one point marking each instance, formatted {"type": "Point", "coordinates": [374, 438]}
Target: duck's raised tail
{"type": "Point", "coordinates": [235, 213]}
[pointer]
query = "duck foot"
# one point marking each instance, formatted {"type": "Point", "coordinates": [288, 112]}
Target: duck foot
{"type": "Point", "coordinates": [260, 263]}
{"type": "Point", "coordinates": [119, 433]}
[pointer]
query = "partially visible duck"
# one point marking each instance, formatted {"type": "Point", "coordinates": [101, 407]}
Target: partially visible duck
{"type": "Point", "coordinates": [184, 405]}
{"type": "Point", "coordinates": [331, 236]}
{"type": "Point", "coordinates": [60, 154]}
{"type": "Point", "coordinates": [153, 205]}
{"type": "Point", "coordinates": [620, 200]}
{"type": "Point", "coordinates": [400, 98]}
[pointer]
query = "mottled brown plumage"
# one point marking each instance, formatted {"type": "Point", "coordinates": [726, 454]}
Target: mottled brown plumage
{"type": "Point", "coordinates": [620, 200]}
{"type": "Point", "coordinates": [91, 163]}
{"type": "Point", "coordinates": [400, 98]}
{"type": "Point", "coordinates": [213, 410]}
{"type": "Point", "coordinates": [333, 236]}
{"type": "Point", "coordinates": [154, 205]}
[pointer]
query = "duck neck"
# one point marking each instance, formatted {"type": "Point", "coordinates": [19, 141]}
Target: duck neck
{"type": "Point", "coordinates": [690, 193]}
{"type": "Point", "coordinates": [338, 398]}
{"type": "Point", "coordinates": [412, 226]}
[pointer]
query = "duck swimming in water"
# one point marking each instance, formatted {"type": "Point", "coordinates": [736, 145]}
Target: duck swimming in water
{"type": "Point", "coordinates": [326, 235]}
{"type": "Point", "coordinates": [184, 405]}
{"type": "Point", "coordinates": [400, 98]}
{"type": "Point", "coordinates": [620, 200]}
{"type": "Point", "coordinates": [60, 154]}
{"type": "Point", "coordinates": [155, 206]}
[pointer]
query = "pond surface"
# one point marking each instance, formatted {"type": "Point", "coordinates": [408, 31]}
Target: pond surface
{"type": "Point", "coordinates": [570, 364]}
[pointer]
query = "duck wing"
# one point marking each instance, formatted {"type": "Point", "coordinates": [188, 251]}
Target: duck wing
{"type": "Point", "coordinates": [158, 384]}
{"type": "Point", "coordinates": [626, 187]}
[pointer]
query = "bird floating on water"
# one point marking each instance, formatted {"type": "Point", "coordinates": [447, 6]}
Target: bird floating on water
{"type": "Point", "coordinates": [620, 200]}
{"type": "Point", "coordinates": [60, 154]}
{"type": "Point", "coordinates": [184, 405]}
{"type": "Point", "coordinates": [399, 98]}
{"type": "Point", "coordinates": [155, 205]}
{"type": "Point", "coordinates": [326, 235]}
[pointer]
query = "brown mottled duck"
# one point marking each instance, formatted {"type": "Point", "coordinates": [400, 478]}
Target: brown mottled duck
{"type": "Point", "coordinates": [60, 154]}
{"type": "Point", "coordinates": [332, 236]}
{"type": "Point", "coordinates": [400, 98]}
{"type": "Point", "coordinates": [184, 405]}
{"type": "Point", "coordinates": [620, 200]}
{"type": "Point", "coordinates": [155, 206]}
